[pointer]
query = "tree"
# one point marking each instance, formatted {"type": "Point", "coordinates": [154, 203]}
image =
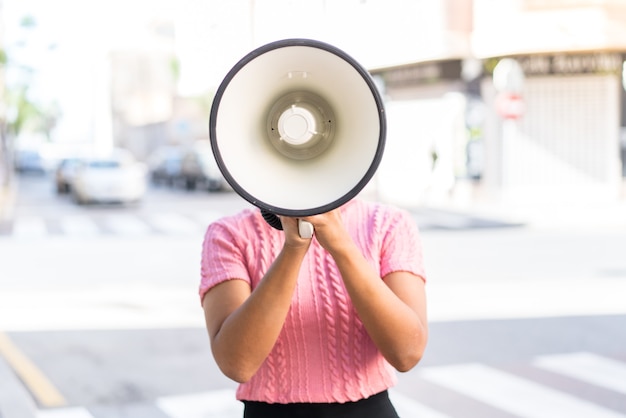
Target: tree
{"type": "Point", "coordinates": [18, 111]}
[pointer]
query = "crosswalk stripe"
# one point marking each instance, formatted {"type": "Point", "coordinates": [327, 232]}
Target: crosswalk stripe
{"type": "Point", "coordinates": [493, 387]}
{"type": "Point", "coordinates": [79, 225]}
{"type": "Point", "coordinates": [29, 227]}
{"type": "Point", "coordinates": [173, 223]}
{"type": "Point", "coordinates": [588, 367]}
{"type": "Point", "coordinates": [74, 412]}
{"type": "Point", "coordinates": [407, 407]}
{"type": "Point", "coordinates": [513, 394]}
{"type": "Point", "coordinates": [222, 404]}
{"type": "Point", "coordinates": [127, 225]}
{"type": "Point", "coordinates": [207, 217]}
{"type": "Point", "coordinates": [213, 404]}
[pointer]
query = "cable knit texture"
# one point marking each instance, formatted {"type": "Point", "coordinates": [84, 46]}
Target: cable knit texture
{"type": "Point", "coordinates": [323, 353]}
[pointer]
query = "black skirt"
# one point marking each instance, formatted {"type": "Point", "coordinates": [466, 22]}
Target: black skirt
{"type": "Point", "coordinates": [376, 406]}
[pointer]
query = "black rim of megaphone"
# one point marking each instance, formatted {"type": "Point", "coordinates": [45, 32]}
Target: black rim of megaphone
{"type": "Point", "coordinates": [282, 44]}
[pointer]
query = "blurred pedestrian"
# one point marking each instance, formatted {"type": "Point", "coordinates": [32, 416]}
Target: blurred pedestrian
{"type": "Point", "coordinates": [315, 327]}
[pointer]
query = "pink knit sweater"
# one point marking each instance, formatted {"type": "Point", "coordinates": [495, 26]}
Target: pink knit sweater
{"type": "Point", "coordinates": [323, 353]}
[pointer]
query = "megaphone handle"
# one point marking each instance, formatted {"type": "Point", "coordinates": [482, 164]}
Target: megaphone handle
{"type": "Point", "coordinates": [272, 219]}
{"type": "Point", "coordinates": [305, 229]}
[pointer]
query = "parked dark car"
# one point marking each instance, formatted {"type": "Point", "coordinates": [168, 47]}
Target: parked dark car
{"type": "Point", "coordinates": [199, 169]}
{"type": "Point", "coordinates": [64, 174]}
{"type": "Point", "coordinates": [165, 165]}
{"type": "Point", "coordinates": [29, 161]}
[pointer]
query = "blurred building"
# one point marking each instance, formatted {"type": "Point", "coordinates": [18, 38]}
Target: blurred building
{"type": "Point", "coordinates": [531, 110]}
{"type": "Point", "coordinates": [147, 110]}
{"type": "Point", "coordinates": [521, 100]}
{"type": "Point", "coordinates": [142, 88]}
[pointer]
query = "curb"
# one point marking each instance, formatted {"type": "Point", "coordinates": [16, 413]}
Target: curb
{"type": "Point", "coordinates": [449, 219]}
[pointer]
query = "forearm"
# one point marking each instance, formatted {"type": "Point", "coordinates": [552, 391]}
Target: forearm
{"type": "Point", "coordinates": [394, 326]}
{"type": "Point", "coordinates": [248, 334]}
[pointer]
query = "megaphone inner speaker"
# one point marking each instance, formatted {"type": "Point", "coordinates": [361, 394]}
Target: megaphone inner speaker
{"type": "Point", "coordinates": [297, 127]}
{"type": "Point", "coordinates": [300, 125]}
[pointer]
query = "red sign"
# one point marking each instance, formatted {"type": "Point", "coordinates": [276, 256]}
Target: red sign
{"type": "Point", "coordinates": [510, 105]}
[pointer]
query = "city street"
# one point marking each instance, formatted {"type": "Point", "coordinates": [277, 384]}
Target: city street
{"type": "Point", "coordinates": [99, 314]}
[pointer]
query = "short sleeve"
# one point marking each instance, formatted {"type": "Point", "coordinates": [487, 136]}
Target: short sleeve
{"type": "Point", "coordinates": [222, 258]}
{"type": "Point", "coordinates": [401, 245]}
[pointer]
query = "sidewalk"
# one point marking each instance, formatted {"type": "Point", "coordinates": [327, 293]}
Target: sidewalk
{"type": "Point", "coordinates": [499, 215]}
{"type": "Point", "coordinates": [476, 210]}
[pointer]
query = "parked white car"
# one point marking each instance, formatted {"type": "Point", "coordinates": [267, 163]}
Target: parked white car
{"type": "Point", "coordinates": [118, 178]}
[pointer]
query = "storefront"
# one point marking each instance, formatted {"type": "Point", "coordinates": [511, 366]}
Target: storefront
{"type": "Point", "coordinates": [565, 146]}
{"type": "Point", "coordinates": [559, 140]}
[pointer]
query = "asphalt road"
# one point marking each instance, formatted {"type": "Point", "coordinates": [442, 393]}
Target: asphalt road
{"type": "Point", "coordinates": [102, 319]}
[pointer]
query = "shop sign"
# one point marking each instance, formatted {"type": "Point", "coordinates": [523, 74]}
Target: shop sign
{"type": "Point", "coordinates": [421, 73]}
{"type": "Point", "coordinates": [565, 64]}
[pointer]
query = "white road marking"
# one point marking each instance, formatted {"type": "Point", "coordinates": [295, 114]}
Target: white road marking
{"type": "Point", "coordinates": [222, 404]}
{"type": "Point", "coordinates": [79, 225]}
{"type": "Point", "coordinates": [105, 307]}
{"type": "Point", "coordinates": [540, 298]}
{"type": "Point", "coordinates": [207, 217]}
{"type": "Point", "coordinates": [99, 306]}
{"type": "Point", "coordinates": [513, 394]}
{"type": "Point", "coordinates": [74, 412]}
{"type": "Point", "coordinates": [212, 404]}
{"type": "Point", "coordinates": [29, 227]}
{"type": "Point", "coordinates": [127, 225]}
{"type": "Point", "coordinates": [173, 223]}
{"type": "Point", "coordinates": [407, 407]}
{"type": "Point", "coordinates": [588, 367]}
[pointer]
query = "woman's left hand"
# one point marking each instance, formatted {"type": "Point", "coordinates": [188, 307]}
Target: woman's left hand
{"type": "Point", "coordinates": [329, 230]}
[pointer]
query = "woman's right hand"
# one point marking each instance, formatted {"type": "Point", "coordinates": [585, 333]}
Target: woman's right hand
{"type": "Point", "coordinates": [292, 233]}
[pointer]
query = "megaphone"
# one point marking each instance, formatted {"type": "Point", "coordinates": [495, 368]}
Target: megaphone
{"type": "Point", "coordinates": [297, 128]}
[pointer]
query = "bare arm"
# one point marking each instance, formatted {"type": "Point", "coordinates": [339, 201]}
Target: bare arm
{"type": "Point", "coordinates": [243, 325]}
{"type": "Point", "coordinates": [392, 310]}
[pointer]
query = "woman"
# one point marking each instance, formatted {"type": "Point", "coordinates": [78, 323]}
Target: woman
{"type": "Point", "coordinates": [314, 327]}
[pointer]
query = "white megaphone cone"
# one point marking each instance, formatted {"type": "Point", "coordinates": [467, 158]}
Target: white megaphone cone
{"type": "Point", "coordinates": [297, 128]}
